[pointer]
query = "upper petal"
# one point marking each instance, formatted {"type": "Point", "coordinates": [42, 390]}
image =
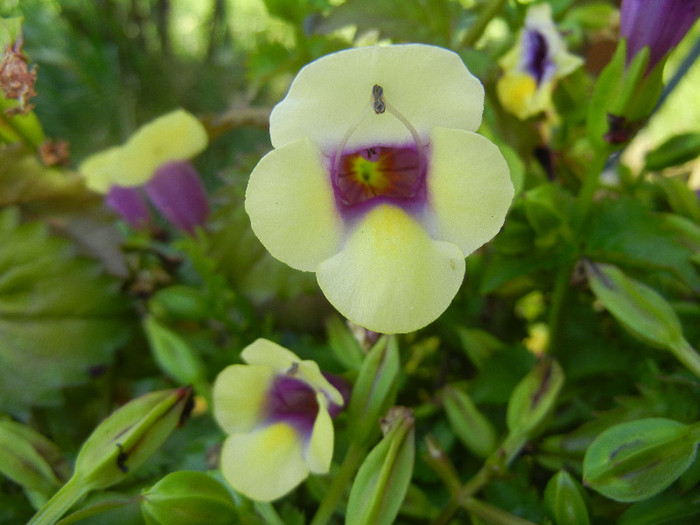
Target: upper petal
{"type": "Point", "coordinates": [292, 208]}
{"type": "Point", "coordinates": [264, 464]}
{"type": "Point", "coordinates": [429, 85]}
{"type": "Point", "coordinates": [240, 393]}
{"type": "Point", "coordinates": [391, 277]}
{"type": "Point", "coordinates": [469, 188]}
{"type": "Point", "coordinates": [177, 135]}
{"type": "Point", "coordinates": [99, 169]}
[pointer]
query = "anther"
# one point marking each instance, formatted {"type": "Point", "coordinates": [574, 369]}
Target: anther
{"type": "Point", "coordinates": [378, 94]}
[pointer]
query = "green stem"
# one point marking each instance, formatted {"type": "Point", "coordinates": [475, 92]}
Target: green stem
{"type": "Point", "coordinates": [269, 514]}
{"type": "Point", "coordinates": [60, 502]}
{"type": "Point", "coordinates": [493, 515]}
{"type": "Point", "coordinates": [477, 28]}
{"type": "Point", "coordinates": [579, 219]}
{"type": "Point", "coordinates": [352, 461]}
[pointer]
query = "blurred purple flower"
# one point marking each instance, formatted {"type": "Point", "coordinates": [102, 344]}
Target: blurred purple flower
{"type": "Point", "coordinates": [659, 24]}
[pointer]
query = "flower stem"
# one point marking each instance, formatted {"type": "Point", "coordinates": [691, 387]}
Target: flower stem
{"type": "Point", "coordinates": [477, 28]}
{"type": "Point", "coordinates": [352, 461]}
{"type": "Point", "coordinates": [579, 218]}
{"type": "Point", "coordinates": [60, 502]}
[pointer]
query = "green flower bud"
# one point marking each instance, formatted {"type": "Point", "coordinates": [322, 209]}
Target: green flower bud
{"type": "Point", "coordinates": [635, 460]}
{"type": "Point", "coordinates": [173, 354]}
{"type": "Point", "coordinates": [382, 481]}
{"type": "Point", "coordinates": [179, 303]}
{"type": "Point", "coordinates": [374, 389]}
{"type": "Point", "coordinates": [30, 460]}
{"type": "Point", "coordinates": [188, 498]}
{"type": "Point", "coordinates": [564, 500]}
{"type": "Point", "coordinates": [128, 437]}
{"type": "Point", "coordinates": [534, 398]}
{"type": "Point", "coordinates": [471, 426]}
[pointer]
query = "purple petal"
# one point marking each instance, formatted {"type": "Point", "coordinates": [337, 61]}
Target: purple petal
{"type": "Point", "coordinates": [178, 193]}
{"type": "Point", "coordinates": [130, 204]}
{"type": "Point", "coordinates": [292, 401]}
{"type": "Point", "coordinates": [342, 386]}
{"type": "Point", "coordinates": [659, 24]}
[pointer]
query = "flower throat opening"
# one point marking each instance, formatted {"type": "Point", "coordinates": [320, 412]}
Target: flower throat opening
{"type": "Point", "coordinates": [379, 173]}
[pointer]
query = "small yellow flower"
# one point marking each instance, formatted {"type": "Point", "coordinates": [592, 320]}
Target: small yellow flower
{"type": "Point", "coordinates": [533, 66]}
{"type": "Point", "coordinates": [277, 411]}
{"type": "Point", "coordinates": [378, 182]}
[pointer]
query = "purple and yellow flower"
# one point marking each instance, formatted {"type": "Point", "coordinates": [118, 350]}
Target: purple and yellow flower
{"type": "Point", "coordinates": [154, 163]}
{"type": "Point", "coordinates": [658, 24]}
{"type": "Point", "coordinates": [534, 65]}
{"type": "Point", "coordinates": [378, 182]}
{"type": "Point", "coordinates": [277, 410]}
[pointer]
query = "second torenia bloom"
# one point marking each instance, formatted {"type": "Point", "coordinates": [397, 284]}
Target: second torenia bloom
{"type": "Point", "coordinates": [154, 162]}
{"type": "Point", "coordinates": [277, 411]}
{"type": "Point", "coordinates": [378, 182]}
{"type": "Point", "coordinates": [533, 66]}
{"type": "Point", "coordinates": [659, 24]}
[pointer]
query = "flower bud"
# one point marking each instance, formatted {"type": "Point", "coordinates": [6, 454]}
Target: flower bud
{"type": "Point", "coordinates": [471, 426]}
{"type": "Point", "coordinates": [374, 389]}
{"type": "Point", "coordinates": [185, 498]}
{"type": "Point", "coordinates": [564, 500]}
{"type": "Point", "coordinates": [534, 398]}
{"type": "Point", "coordinates": [173, 354]}
{"type": "Point", "coordinates": [179, 303]}
{"type": "Point", "coordinates": [635, 460]}
{"type": "Point", "coordinates": [382, 481]}
{"type": "Point", "coordinates": [128, 437]}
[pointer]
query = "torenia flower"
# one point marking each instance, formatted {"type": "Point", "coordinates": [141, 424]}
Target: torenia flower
{"type": "Point", "coordinates": [277, 410]}
{"type": "Point", "coordinates": [378, 183]}
{"type": "Point", "coordinates": [154, 160]}
{"type": "Point", "coordinates": [659, 24]}
{"type": "Point", "coordinates": [534, 65]}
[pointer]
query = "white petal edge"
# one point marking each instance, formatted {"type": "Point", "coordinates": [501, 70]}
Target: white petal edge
{"type": "Point", "coordinates": [291, 206]}
{"type": "Point", "coordinates": [429, 85]}
{"type": "Point", "coordinates": [391, 277]}
{"type": "Point", "coordinates": [265, 464]}
{"type": "Point", "coordinates": [239, 394]}
{"type": "Point", "coordinates": [469, 188]}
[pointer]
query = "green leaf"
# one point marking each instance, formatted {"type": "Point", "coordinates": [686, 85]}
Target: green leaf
{"type": "Point", "coordinates": [667, 508]}
{"type": "Point", "coordinates": [674, 151]}
{"type": "Point", "coordinates": [59, 316]}
{"type": "Point", "coordinates": [636, 460]}
{"type": "Point", "coordinates": [564, 499]}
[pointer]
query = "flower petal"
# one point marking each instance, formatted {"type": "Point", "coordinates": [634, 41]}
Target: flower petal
{"type": "Point", "coordinates": [178, 193]}
{"type": "Point", "coordinates": [469, 188]}
{"type": "Point", "coordinates": [319, 451]}
{"type": "Point", "coordinates": [391, 277]}
{"type": "Point", "coordinates": [98, 170]}
{"type": "Point", "coordinates": [178, 135]}
{"type": "Point", "coordinates": [292, 208]}
{"type": "Point", "coordinates": [240, 393]}
{"type": "Point", "coordinates": [265, 464]}
{"type": "Point", "coordinates": [130, 204]}
{"type": "Point", "coordinates": [263, 352]}
{"type": "Point", "coordinates": [429, 85]}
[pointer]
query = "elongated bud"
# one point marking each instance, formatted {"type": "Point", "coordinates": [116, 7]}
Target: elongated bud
{"type": "Point", "coordinates": [184, 498]}
{"type": "Point", "coordinates": [179, 303]}
{"type": "Point", "coordinates": [635, 460]}
{"type": "Point", "coordinates": [374, 389]}
{"type": "Point", "coordinates": [128, 437]}
{"type": "Point", "coordinates": [382, 481]}
{"type": "Point", "coordinates": [31, 461]}
{"type": "Point", "coordinates": [471, 426]}
{"type": "Point", "coordinates": [534, 398]}
{"type": "Point", "coordinates": [564, 500]}
{"type": "Point", "coordinates": [173, 354]}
